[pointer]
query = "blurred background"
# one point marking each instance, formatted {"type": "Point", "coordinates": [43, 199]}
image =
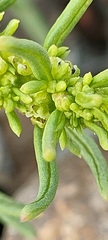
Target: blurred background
{"type": "Point", "coordinates": [77, 212]}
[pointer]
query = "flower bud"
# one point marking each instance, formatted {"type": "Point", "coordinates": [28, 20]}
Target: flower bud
{"type": "Point", "coordinates": [25, 98]}
{"type": "Point", "coordinates": [62, 101]}
{"type": "Point", "coordinates": [61, 70]}
{"type": "Point", "coordinates": [23, 69]}
{"type": "Point", "coordinates": [87, 78]}
{"type": "Point", "coordinates": [72, 81]}
{"type": "Point", "coordinates": [63, 52]}
{"type": "Point", "coordinates": [61, 86]}
{"type": "Point", "coordinates": [52, 51]}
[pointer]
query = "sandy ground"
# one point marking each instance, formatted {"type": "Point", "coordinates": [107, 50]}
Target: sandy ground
{"type": "Point", "coordinates": [77, 212]}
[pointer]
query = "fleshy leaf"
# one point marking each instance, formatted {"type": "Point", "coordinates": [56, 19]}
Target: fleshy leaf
{"type": "Point", "coordinates": [93, 157]}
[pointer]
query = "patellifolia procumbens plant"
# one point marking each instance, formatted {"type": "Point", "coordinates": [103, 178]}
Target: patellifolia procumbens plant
{"type": "Point", "coordinates": [41, 84]}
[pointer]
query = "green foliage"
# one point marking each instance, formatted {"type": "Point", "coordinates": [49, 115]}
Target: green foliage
{"type": "Point", "coordinates": [48, 181]}
{"type": "Point", "coordinates": [39, 82]}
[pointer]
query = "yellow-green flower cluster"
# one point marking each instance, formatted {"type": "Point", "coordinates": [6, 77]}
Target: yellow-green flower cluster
{"type": "Point", "coordinates": [82, 100]}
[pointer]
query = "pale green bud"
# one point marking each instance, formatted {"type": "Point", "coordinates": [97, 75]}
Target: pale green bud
{"type": "Point", "coordinates": [52, 51]}
{"type": "Point", "coordinates": [62, 101]}
{"type": "Point", "coordinates": [61, 86]}
{"type": "Point", "coordinates": [87, 78]}
{"type": "Point", "coordinates": [23, 69]}
{"type": "Point", "coordinates": [23, 97]}
{"type": "Point", "coordinates": [74, 107]}
{"type": "Point", "coordinates": [63, 52]}
{"type": "Point", "coordinates": [72, 81]}
{"type": "Point", "coordinates": [61, 70]}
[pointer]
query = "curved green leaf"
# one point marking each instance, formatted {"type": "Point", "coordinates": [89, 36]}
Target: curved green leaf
{"type": "Point", "coordinates": [32, 52]}
{"type": "Point", "coordinates": [93, 157]}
